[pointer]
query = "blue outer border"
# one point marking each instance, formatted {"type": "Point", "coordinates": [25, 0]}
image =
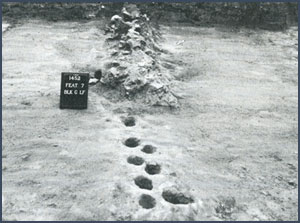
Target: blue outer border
{"type": "Point", "coordinates": [1, 115]}
{"type": "Point", "coordinates": [147, 1]}
{"type": "Point", "coordinates": [298, 106]}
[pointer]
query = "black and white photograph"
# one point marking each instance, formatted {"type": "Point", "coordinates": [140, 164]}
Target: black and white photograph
{"type": "Point", "coordinates": [150, 111]}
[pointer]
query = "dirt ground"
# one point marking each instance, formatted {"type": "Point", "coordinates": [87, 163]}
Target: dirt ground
{"type": "Point", "coordinates": [232, 145]}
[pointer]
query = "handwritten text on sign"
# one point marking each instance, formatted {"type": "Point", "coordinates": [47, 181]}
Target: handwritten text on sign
{"type": "Point", "coordinates": [74, 90]}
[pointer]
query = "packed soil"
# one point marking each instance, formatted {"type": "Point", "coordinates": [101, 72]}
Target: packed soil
{"type": "Point", "coordinates": [231, 149]}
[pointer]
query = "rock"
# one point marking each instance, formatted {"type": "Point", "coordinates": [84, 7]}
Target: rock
{"type": "Point", "coordinates": [149, 52]}
{"type": "Point", "coordinates": [93, 81]}
{"type": "Point", "coordinates": [130, 12]}
{"type": "Point", "coordinates": [114, 72]}
{"type": "Point", "coordinates": [126, 52]}
{"type": "Point", "coordinates": [127, 46]}
{"type": "Point", "coordinates": [159, 94]}
{"type": "Point", "coordinates": [134, 44]}
{"type": "Point", "coordinates": [25, 157]}
{"type": "Point", "coordinates": [111, 64]}
{"type": "Point", "coordinates": [225, 206]}
{"type": "Point", "coordinates": [137, 28]}
{"type": "Point", "coordinates": [126, 15]}
{"type": "Point", "coordinates": [53, 205]}
{"type": "Point", "coordinates": [113, 77]}
{"type": "Point", "coordinates": [292, 183]}
{"type": "Point", "coordinates": [122, 27]}
{"type": "Point", "coordinates": [115, 64]}
{"type": "Point", "coordinates": [114, 53]}
{"type": "Point", "coordinates": [132, 33]}
{"type": "Point", "coordinates": [134, 85]}
{"type": "Point", "coordinates": [116, 18]}
{"type": "Point", "coordinates": [155, 85]}
{"type": "Point", "coordinates": [27, 103]}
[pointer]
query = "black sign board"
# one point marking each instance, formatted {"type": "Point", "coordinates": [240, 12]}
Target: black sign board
{"type": "Point", "coordinates": [74, 90]}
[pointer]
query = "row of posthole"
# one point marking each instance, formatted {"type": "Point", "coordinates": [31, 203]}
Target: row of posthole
{"type": "Point", "coordinates": [171, 195]}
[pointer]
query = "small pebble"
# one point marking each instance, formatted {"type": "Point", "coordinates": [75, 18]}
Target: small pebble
{"type": "Point", "coordinates": [291, 183]}
{"type": "Point", "coordinates": [25, 157]}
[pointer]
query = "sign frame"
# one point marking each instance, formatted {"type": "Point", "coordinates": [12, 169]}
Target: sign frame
{"type": "Point", "coordinates": [74, 90]}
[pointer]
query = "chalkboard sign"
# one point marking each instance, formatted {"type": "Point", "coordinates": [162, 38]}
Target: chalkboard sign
{"type": "Point", "coordinates": [74, 90]}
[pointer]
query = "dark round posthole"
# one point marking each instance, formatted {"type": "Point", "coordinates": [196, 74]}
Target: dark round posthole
{"type": "Point", "coordinates": [132, 142]}
{"type": "Point", "coordinates": [147, 201]}
{"type": "Point", "coordinates": [129, 121]}
{"type": "Point", "coordinates": [143, 182]}
{"type": "Point", "coordinates": [152, 168]}
{"type": "Point", "coordinates": [135, 160]}
{"type": "Point", "coordinates": [176, 197]}
{"type": "Point", "coordinates": [148, 149]}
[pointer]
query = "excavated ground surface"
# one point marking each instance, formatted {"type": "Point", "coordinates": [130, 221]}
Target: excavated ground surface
{"type": "Point", "coordinates": [229, 152]}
